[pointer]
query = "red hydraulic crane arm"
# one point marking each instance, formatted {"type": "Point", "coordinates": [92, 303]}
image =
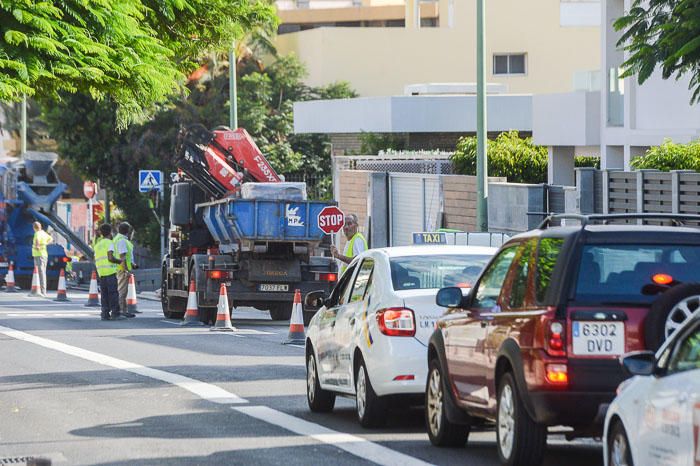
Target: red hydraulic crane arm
{"type": "Point", "coordinates": [237, 146]}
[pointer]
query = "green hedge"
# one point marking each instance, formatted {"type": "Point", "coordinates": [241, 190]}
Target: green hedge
{"type": "Point", "coordinates": [510, 156]}
{"type": "Point", "coordinates": [670, 156]}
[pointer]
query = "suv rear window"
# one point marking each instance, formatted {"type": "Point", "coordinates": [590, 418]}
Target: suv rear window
{"type": "Point", "coordinates": [617, 273]}
{"type": "Point", "coordinates": [422, 272]}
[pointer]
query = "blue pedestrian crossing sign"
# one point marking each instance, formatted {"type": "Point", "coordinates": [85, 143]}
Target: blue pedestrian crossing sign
{"type": "Point", "coordinates": [150, 180]}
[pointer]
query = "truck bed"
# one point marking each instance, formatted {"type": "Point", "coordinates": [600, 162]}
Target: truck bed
{"type": "Point", "coordinates": [232, 221]}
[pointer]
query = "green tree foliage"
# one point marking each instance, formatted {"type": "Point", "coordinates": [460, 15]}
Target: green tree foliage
{"type": "Point", "coordinates": [509, 155]}
{"type": "Point", "coordinates": [663, 33]}
{"type": "Point", "coordinates": [87, 135]}
{"type": "Point", "coordinates": [670, 156]}
{"type": "Point", "coordinates": [134, 52]}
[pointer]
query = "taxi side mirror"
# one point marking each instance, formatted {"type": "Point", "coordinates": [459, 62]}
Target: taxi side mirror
{"type": "Point", "coordinates": [315, 299]}
{"type": "Point", "coordinates": [449, 297]}
{"type": "Point", "coordinates": [640, 363]}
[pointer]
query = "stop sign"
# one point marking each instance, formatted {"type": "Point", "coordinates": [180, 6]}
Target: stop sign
{"type": "Point", "coordinates": [331, 219]}
{"type": "Point", "coordinates": [89, 189]}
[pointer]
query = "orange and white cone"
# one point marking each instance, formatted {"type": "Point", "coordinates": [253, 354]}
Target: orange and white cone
{"type": "Point", "coordinates": [61, 292]}
{"type": "Point", "coordinates": [93, 297]}
{"type": "Point", "coordinates": [223, 318]}
{"type": "Point", "coordinates": [10, 279]}
{"type": "Point", "coordinates": [131, 303]}
{"type": "Point", "coordinates": [296, 335]}
{"type": "Point", "coordinates": [192, 311]}
{"type": "Point", "coordinates": [36, 290]}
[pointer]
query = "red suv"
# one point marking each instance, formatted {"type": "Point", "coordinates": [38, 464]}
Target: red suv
{"type": "Point", "coordinates": [536, 341]}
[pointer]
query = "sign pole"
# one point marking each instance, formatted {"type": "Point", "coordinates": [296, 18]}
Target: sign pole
{"type": "Point", "coordinates": [162, 223]}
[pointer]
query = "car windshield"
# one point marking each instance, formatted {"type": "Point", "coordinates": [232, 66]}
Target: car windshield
{"type": "Point", "coordinates": [618, 273]}
{"type": "Point", "coordinates": [436, 271]}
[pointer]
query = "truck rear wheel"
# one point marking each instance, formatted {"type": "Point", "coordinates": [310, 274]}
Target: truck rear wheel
{"type": "Point", "coordinates": [173, 307]}
{"type": "Point", "coordinates": [281, 311]}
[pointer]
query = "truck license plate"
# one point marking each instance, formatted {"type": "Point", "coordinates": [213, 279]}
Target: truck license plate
{"type": "Point", "coordinates": [273, 287]}
{"type": "Point", "coordinates": [598, 338]}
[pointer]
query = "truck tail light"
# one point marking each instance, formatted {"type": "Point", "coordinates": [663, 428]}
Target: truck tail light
{"type": "Point", "coordinates": [555, 341]}
{"type": "Point", "coordinates": [66, 259]}
{"type": "Point", "coordinates": [215, 274]}
{"type": "Point", "coordinates": [557, 374]}
{"type": "Point", "coordinates": [396, 322]}
{"type": "Point", "coordinates": [328, 277]}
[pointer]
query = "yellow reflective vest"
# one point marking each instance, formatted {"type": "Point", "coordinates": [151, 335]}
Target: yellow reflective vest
{"type": "Point", "coordinates": [104, 266]}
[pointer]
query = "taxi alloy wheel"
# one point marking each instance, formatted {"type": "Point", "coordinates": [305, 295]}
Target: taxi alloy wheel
{"type": "Point", "coordinates": [318, 399]}
{"type": "Point", "coordinates": [370, 407]}
{"type": "Point", "coordinates": [519, 439]}
{"type": "Point", "coordinates": [619, 453]}
{"type": "Point", "coordinates": [441, 431]}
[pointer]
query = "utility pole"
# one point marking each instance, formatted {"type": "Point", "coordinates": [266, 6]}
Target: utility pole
{"type": "Point", "coordinates": [23, 127]}
{"type": "Point", "coordinates": [482, 219]}
{"type": "Point", "coordinates": [233, 93]}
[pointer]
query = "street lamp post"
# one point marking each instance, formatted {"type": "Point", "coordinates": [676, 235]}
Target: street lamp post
{"type": "Point", "coordinates": [233, 93]}
{"type": "Point", "coordinates": [481, 134]}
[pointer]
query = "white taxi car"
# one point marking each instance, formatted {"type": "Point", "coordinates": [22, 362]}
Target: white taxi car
{"type": "Point", "coordinates": [369, 338]}
{"type": "Point", "coordinates": [655, 419]}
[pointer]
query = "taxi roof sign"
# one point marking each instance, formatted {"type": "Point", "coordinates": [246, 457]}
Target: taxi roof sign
{"type": "Point", "coordinates": [429, 238]}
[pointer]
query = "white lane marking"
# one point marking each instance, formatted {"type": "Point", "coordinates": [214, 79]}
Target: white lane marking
{"type": "Point", "coordinates": [57, 315]}
{"type": "Point", "coordinates": [353, 444]}
{"type": "Point", "coordinates": [201, 389]}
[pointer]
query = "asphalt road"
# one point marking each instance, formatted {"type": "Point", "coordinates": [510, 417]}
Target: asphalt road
{"type": "Point", "coordinates": [146, 391]}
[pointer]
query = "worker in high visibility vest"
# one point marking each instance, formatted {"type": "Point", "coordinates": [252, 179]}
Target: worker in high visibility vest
{"type": "Point", "coordinates": [106, 263]}
{"type": "Point", "coordinates": [356, 242]}
{"type": "Point", "coordinates": [40, 254]}
{"type": "Point", "coordinates": [125, 253]}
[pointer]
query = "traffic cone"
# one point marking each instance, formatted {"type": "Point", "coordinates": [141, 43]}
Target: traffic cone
{"type": "Point", "coordinates": [296, 335]}
{"type": "Point", "coordinates": [93, 297]}
{"type": "Point", "coordinates": [223, 318]}
{"type": "Point", "coordinates": [35, 291]}
{"type": "Point", "coordinates": [192, 311]}
{"type": "Point", "coordinates": [61, 293]}
{"type": "Point", "coordinates": [131, 304]}
{"type": "Point", "coordinates": [10, 279]}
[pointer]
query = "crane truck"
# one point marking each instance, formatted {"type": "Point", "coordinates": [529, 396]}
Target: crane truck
{"type": "Point", "coordinates": [234, 221]}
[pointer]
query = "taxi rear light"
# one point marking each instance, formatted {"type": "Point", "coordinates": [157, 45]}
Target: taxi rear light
{"type": "Point", "coordinates": [396, 322]}
{"type": "Point", "coordinates": [405, 377]}
{"type": "Point", "coordinates": [557, 374]}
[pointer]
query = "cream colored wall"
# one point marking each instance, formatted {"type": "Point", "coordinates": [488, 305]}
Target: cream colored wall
{"type": "Point", "coordinates": [381, 61]}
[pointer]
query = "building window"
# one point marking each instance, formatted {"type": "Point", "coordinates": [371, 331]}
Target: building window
{"type": "Point", "coordinates": [513, 63]}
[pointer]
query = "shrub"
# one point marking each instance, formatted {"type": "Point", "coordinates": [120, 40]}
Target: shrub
{"type": "Point", "coordinates": [509, 155]}
{"type": "Point", "coordinates": [581, 161]}
{"type": "Point", "coordinates": [670, 156]}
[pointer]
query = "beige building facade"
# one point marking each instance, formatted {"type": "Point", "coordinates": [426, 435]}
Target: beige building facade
{"type": "Point", "coordinates": [532, 46]}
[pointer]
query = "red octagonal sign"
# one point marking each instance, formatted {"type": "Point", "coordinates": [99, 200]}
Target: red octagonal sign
{"type": "Point", "coordinates": [331, 219]}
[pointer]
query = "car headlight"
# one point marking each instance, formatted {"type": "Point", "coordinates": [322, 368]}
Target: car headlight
{"type": "Point", "coordinates": [623, 386]}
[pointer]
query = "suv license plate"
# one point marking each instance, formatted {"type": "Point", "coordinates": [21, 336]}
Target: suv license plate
{"type": "Point", "coordinates": [273, 287]}
{"type": "Point", "coordinates": [598, 338]}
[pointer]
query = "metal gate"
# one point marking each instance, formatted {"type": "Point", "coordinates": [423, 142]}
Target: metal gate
{"type": "Point", "coordinates": [416, 204]}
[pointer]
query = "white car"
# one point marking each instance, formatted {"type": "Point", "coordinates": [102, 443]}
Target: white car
{"type": "Point", "coordinates": [369, 338]}
{"type": "Point", "coordinates": [655, 419]}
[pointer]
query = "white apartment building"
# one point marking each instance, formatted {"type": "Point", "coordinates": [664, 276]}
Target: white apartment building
{"type": "Point", "coordinates": [621, 118]}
